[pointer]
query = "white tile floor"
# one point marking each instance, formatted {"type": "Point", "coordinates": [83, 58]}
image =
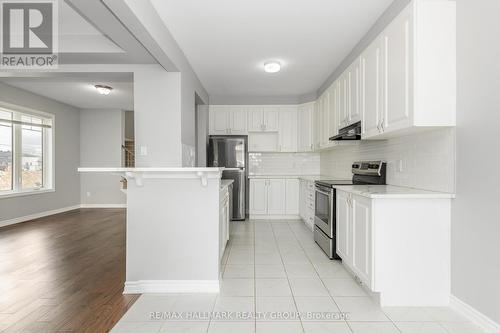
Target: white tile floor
{"type": "Point", "coordinates": [274, 267]}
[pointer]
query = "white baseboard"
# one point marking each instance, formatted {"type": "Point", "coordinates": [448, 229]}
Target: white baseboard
{"type": "Point", "coordinates": [274, 217]}
{"type": "Point", "coordinates": [171, 286]}
{"type": "Point", "coordinates": [25, 218]}
{"type": "Point", "coordinates": [103, 206]}
{"type": "Point", "coordinates": [474, 315]}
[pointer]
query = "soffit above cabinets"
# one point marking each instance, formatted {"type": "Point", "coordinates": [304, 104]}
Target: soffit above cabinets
{"type": "Point", "coordinates": [228, 42]}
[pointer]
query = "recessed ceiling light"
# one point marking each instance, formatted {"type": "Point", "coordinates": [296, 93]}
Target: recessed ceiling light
{"type": "Point", "coordinates": [272, 67]}
{"type": "Point", "coordinates": [102, 89]}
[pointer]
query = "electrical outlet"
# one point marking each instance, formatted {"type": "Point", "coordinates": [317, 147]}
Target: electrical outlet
{"type": "Point", "coordinates": [400, 166]}
{"type": "Point", "coordinates": [89, 194]}
{"type": "Point", "coordinates": [144, 150]}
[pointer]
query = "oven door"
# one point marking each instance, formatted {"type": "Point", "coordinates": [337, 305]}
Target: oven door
{"type": "Point", "coordinates": [323, 210]}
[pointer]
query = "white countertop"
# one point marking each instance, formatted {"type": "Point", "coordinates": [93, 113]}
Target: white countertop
{"type": "Point", "coordinates": [305, 177]}
{"type": "Point", "coordinates": [225, 183]}
{"type": "Point", "coordinates": [147, 169]}
{"type": "Point", "coordinates": [392, 192]}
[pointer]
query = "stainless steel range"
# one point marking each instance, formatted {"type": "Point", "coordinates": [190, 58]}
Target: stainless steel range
{"type": "Point", "coordinates": [325, 214]}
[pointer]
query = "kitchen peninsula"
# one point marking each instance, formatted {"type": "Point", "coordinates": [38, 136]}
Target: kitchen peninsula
{"type": "Point", "coordinates": [173, 237]}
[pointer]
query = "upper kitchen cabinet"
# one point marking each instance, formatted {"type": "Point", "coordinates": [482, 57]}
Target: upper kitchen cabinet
{"type": "Point", "coordinates": [263, 119]}
{"type": "Point", "coordinates": [227, 120]}
{"type": "Point", "coordinates": [305, 127]}
{"type": "Point", "coordinates": [409, 72]}
{"type": "Point", "coordinates": [288, 129]}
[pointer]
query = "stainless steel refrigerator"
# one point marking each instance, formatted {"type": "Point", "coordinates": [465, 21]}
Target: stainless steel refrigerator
{"type": "Point", "coordinates": [231, 152]}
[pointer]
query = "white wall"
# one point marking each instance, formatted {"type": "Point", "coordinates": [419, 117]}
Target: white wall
{"type": "Point", "coordinates": [67, 157]}
{"type": "Point", "coordinates": [143, 21]}
{"type": "Point", "coordinates": [428, 159]}
{"type": "Point", "coordinates": [284, 163]}
{"type": "Point", "coordinates": [475, 220]}
{"type": "Point", "coordinates": [202, 135]}
{"type": "Point", "coordinates": [157, 118]}
{"type": "Point", "coordinates": [101, 137]}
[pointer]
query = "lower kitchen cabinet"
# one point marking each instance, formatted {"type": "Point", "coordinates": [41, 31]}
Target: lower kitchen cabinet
{"type": "Point", "coordinates": [396, 247]}
{"type": "Point", "coordinates": [274, 198]}
{"type": "Point", "coordinates": [306, 202]}
{"type": "Point", "coordinates": [224, 217]}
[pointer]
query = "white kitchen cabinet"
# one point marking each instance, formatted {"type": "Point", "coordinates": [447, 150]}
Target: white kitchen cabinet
{"type": "Point", "coordinates": [371, 89]}
{"type": "Point", "coordinates": [255, 120]}
{"type": "Point", "coordinates": [305, 127]}
{"type": "Point", "coordinates": [288, 129]}
{"type": "Point", "coordinates": [274, 198]}
{"type": "Point", "coordinates": [354, 234]}
{"type": "Point", "coordinates": [292, 197]}
{"type": "Point", "coordinates": [238, 121]}
{"type": "Point", "coordinates": [271, 118]}
{"type": "Point", "coordinates": [224, 217]}
{"type": "Point", "coordinates": [258, 196]}
{"type": "Point", "coordinates": [353, 93]}
{"type": "Point", "coordinates": [343, 227]}
{"type": "Point", "coordinates": [362, 239]}
{"type": "Point", "coordinates": [219, 121]}
{"type": "Point", "coordinates": [263, 119]}
{"type": "Point", "coordinates": [412, 85]}
{"type": "Point", "coordinates": [227, 120]}
{"type": "Point", "coordinates": [342, 110]}
{"type": "Point", "coordinates": [306, 202]}
{"type": "Point", "coordinates": [392, 243]}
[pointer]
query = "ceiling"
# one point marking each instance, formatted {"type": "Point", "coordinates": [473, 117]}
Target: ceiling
{"type": "Point", "coordinates": [228, 41]}
{"type": "Point", "coordinates": [77, 89]}
{"type": "Point", "coordinates": [90, 34]}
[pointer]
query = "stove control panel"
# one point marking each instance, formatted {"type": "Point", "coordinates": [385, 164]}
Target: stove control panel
{"type": "Point", "coordinates": [367, 168]}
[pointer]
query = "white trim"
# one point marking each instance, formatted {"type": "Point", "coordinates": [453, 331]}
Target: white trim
{"type": "Point", "coordinates": [274, 217]}
{"type": "Point", "coordinates": [171, 286]}
{"type": "Point", "coordinates": [478, 318]}
{"type": "Point", "coordinates": [25, 218]}
{"type": "Point", "coordinates": [103, 206]}
{"type": "Point", "coordinates": [13, 194]}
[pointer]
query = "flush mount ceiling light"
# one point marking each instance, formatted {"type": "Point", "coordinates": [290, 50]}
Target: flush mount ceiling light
{"type": "Point", "coordinates": [272, 67]}
{"type": "Point", "coordinates": [102, 89]}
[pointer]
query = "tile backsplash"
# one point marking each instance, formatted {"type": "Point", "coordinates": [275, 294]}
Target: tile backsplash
{"type": "Point", "coordinates": [425, 160]}
{"type": "Point", "coordinates": [284, 163]}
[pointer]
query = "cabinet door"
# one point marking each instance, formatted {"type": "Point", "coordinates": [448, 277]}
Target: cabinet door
{"type": "Point", "coordinates": [343, 230]}
{"type": "Point", "coordinates": [302, 199]}
{"type": "Point", "coordinates": [258, 196]}
{"type": "Point", "coordinates": [238, 121]}
{"type": "Point", "coordinates": [219, 121]}
{"type": "Point", "coordinates": [334, 109]}
{"type": "Point", "coordinates": [305, 128]}
{"type": "Point", "coordinates": [371, 89]}
{"type": "Point", "coordinates": [362, 239]}
{"type": "Point", "coordinates": [288, 129]}
{"type": "Point", "coordinates": [271, 119]}
{"type": "Point", "coordinates": [354, 113]}
{"type": "Point", "coordinates": [255, 119]}
{"type": "Point", "coordinates": [343, 100]}
{"type": "Point", "coordinates": [292, 196]}
{"type": "Point", "coordinates": [396, 111]}
{"type": "Point", "coordinates": [276, 197]}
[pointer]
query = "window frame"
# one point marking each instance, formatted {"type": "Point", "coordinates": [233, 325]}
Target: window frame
{"type": "Point", "coordinates": [48, 153]}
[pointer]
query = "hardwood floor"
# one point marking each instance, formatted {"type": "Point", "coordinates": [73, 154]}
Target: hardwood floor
{"type": "Point", "coordinates": [64, 273]}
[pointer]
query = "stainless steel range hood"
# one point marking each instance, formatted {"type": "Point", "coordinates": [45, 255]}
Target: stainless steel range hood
{"type": "Point", "coordinates": [349, 133]}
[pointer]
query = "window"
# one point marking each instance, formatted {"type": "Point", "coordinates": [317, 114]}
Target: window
{"type": "Point", "coordinates": [25, 151]}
